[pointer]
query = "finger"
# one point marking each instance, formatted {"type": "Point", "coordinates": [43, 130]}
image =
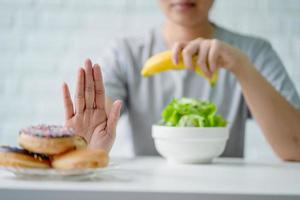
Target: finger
{"type": "Point", "coordinates": [68, 104]}
{"type": "Point", "coordinates": [113, 118]}
{"type": "Point", "coordinates": [202, 60]}
{"type": "Point", "coordinates": [80, 101]}
{"type": "Point", "coordinates": [188, 52]}
{"type": "Point", "coordinates": [176, 50]}
{"type": "Point", "coordinates": [99, 87]}
{"type": "Point", "coordinates": [89, 85]}
{"type": "Point", "coordinates": [213, 57]}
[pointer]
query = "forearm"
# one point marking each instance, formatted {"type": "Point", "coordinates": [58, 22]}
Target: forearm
{"type": "Point", "coordinates": [279, 120]}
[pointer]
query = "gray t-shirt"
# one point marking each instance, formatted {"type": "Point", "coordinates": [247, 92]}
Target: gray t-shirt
{"type": "Point", "coordinates": [145, 98]}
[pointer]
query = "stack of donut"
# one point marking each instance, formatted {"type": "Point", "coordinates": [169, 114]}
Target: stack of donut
{"type": "Point", "coordinates": [45, 146]}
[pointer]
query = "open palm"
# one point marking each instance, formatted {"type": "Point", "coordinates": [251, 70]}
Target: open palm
{"type": "Point", "coordinates": [91, 119]}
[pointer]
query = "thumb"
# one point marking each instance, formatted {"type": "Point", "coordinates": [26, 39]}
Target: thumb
{"type": "Point", "coordinates": [113, 118]}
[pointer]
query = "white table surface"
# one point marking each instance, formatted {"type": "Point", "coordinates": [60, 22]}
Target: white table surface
{"type": "Point", "coordinates": [155, 178]}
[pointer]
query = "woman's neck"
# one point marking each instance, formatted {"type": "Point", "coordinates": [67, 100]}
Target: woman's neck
{"type": "Point", "coordinates": [175, 33]}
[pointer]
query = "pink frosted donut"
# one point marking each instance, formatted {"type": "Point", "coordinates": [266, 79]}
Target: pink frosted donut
{"type": "Point", "coordinates": [47, 139]}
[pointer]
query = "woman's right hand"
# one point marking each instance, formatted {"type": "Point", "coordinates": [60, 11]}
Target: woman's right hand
{"type": "Point", "coordinates": [90, 118]}
{"type": "Point", "coordinates": [212, 55]}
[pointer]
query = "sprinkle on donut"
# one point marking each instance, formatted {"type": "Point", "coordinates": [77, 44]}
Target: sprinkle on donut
{"type": "Point", "coordinates": [48, 131]}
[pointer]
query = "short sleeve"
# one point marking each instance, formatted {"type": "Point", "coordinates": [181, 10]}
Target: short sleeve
{"type": "Point", "coordinates": [113, 74]}
{"type": "Point", "coordinates": [271, 67]}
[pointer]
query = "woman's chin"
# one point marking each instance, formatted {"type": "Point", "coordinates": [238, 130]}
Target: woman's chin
{"type": "Point", "coordinates": [186, 20]}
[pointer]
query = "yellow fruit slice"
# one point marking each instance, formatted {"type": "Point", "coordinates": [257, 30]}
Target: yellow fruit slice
{"type": "Point", "coordinates": [163, 61]}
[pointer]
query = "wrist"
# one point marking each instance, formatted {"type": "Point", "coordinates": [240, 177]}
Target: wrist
{"type": "Point", "coordinates": [242, 69]}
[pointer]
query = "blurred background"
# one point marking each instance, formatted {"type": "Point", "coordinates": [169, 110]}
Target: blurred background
{"type": "Point", "coordinates": [42, 43]}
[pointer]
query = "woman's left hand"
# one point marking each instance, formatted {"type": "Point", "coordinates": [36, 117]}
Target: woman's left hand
{"type": "Point", "coordinates": [212, 54]}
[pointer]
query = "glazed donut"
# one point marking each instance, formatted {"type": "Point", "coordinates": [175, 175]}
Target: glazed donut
{"type": "Point", "coordinates": [81, 159]}
{"type": "Point", "coordinates": [16, 157]}
{"type": "Point", "coordinates": [48, 139]}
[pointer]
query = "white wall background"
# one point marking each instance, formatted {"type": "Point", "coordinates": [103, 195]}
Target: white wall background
{"type": "Point", "coordinates": [42, 42]}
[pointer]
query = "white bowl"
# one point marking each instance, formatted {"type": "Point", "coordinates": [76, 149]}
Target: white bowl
{"type": "Point", "coordinates": [190, 144]}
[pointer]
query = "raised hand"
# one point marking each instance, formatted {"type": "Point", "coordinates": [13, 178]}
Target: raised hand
{"type": "Point", "coordinates": [91, 118]}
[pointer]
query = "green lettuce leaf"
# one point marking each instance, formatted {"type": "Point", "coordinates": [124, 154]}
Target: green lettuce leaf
{"type": "Point", "coordinates": [191, 112]}
{"type": "Point", "coordinates": [191, 120]}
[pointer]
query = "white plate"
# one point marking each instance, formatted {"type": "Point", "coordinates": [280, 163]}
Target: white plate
{"type": "Point", "coordinates": [36, 173]}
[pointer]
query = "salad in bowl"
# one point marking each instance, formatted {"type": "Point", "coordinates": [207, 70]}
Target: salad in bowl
{"type": "Point", "coordinates": [190, 131]}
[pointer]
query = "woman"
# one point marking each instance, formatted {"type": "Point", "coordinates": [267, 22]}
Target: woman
{"type": "Point", "coordinates": [252, 78]}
